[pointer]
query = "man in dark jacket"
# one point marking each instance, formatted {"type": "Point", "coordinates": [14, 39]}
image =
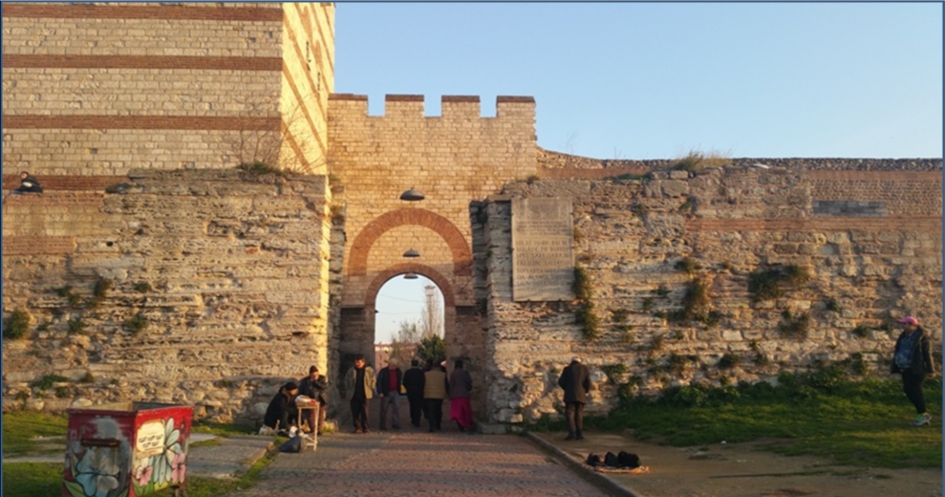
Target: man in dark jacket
{"type": "Point", "coordinates": [576, 382]}
{"type": "Point", "coordinates": [314, 386]}
{"type": "Point", "coordinates": [281, 413]}
{"type": "Point", "coordinates": [913, 360]}
{"type": "Point", "coordinates": [28, 184]}
{"type": "Point", "coordinates": [413, 383]}
{"type": "Point", "coordinates": [388, 389]}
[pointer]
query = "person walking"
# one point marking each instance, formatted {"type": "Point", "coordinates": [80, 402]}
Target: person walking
{"type": "Point", "coordinates": [388, 389]}
{"type": "Point", "coordinates": [314, 386]}
{"type": "Point", "coordinates": [413, 383]}
{"type": "Point", "coordinates": [576, 382]}
{"type": "Point", "coordinates": [359, 389]}
{"type": "Point", "coordinates": [459, 390]}
{"type": "Point", "coordinates": [912, 358]}
{"type": "Point", "coordinates": [434, 391]}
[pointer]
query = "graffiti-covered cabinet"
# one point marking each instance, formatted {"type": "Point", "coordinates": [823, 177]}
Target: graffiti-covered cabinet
{"type": "Point", "coordinates": [126, 449]}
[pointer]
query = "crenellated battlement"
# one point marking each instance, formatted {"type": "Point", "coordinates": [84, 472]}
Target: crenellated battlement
{"type": "Point", "coordinates": [452, 107]}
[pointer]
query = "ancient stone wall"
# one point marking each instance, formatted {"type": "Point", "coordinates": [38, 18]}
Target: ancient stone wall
{"type": "Point", "coordinates": [206, 287]}
{"type": "Point", "coordinates": [100, 89]}
{"type": "Point", "coordinates": [650, 246]}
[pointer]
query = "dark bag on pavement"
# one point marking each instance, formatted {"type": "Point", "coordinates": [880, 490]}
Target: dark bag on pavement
{"type": "Point", "coordinates": [611, 460]}
{"type": "Point", "coordinates": [593, 460]}
{"type": "Point", "coordinates": [628, 460]}
{"type": "Point", "coordinates": [293, 444]}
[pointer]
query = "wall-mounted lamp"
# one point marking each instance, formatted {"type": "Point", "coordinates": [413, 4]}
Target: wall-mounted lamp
{"type": "Point", "coordinates": [412, 195]}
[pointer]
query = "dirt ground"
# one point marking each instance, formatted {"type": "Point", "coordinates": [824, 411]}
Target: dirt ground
{"type": "Point", "coordinates": [743, 470]}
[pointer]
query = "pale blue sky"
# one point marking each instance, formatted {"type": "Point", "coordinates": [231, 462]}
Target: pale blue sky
{"type": "Point", "coordinates": [656, 80]}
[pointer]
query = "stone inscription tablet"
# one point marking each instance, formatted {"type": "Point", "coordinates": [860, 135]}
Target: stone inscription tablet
{"type": "Point", "coordinates": [542, 254]}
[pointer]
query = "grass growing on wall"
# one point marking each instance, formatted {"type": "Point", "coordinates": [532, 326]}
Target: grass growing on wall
{"type": "Point", "coordinates": [585, 315]}
{"type": "Point", "coordinates": [16, 325]}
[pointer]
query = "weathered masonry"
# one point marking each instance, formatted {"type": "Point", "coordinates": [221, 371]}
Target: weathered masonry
{"type": "Point", "coordinates": [154, 269]}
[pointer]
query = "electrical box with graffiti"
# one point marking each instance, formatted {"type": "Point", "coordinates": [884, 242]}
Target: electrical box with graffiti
{"type": "Point", "coordinates": [126, 449]}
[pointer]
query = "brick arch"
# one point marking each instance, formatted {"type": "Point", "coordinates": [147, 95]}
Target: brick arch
{"type": "Point", "coordinates": [370, 296]}
{"type": "Point", "coordinates": [462, 255]}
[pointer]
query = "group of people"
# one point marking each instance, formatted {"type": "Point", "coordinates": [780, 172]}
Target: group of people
{"type": "Point", "coordinates": [425, 389]}
{"type": "Point", "coordinates": [282, 413]}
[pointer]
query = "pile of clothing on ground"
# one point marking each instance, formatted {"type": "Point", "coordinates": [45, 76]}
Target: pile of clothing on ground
{"type": "Point", "coordinates": [622, 462]}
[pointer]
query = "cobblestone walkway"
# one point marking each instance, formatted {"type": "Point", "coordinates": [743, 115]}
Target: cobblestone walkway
{"type": "Point", "coordinates": [392, 464]}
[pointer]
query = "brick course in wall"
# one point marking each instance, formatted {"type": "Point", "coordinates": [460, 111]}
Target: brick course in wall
{"type": "Point", "coordinates": [200, 67]}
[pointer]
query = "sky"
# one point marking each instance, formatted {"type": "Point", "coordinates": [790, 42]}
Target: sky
{"type": "Point", "coordinates": [661, 80]}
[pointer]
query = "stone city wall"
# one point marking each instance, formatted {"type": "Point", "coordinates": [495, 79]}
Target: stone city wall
{"type": "Point", "coordinates": [645, 244]}
{"type": "Point", "coordinates": [100, 89]}
{"type": "Point", "coordinates": [203, 287]}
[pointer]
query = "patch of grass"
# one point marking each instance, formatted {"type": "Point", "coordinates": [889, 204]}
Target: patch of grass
{"type": "Point", "coordinates": [584, 315]}
{"type": "Point", "coordinates": [260, 169]}
{"type": "Point", "coordinates": [619, 315]}
{"type": "Point", "coordinates": [21, 428]}
{"type": "Point", "coordinates": [31, 478]}
{"type": "Point", "coordinates": [855, 423]}
{"type": "Point", "coordinates": [76, 325]}
{"type": "Point", "coordinates": [99, 292]}
{"type": "Point", "coordinates": [136, 324]}
{"type": "Point", "coordinates": [861, 331]}
{"type": "Point", "coordinates": [729, 361]}
{"type": "Point", "coordinates": [662, 290]}
{"type": "Point", "coordinates": [765, 284]}
{"type": "Point", "coordinates": [614, 372]}
{"type": "Point", "coordinates": [222, 429]}
{"type": "Point", "coordinates": [16, 325]}
{"type": "Point", "coordinates": [832, 305]}
{"type": "Point", "coordinates": [696, 161]}
{"type": "Point", "coordinates": [142, 287]}
{"type": "Point", "coordinates": [46, 382]}
{"type": "Point", "coordinates": [71, 297]}
{"type": "Point", "coordinates": [687, 265]}
{"type": "Point", "coordinates": [794, 326]}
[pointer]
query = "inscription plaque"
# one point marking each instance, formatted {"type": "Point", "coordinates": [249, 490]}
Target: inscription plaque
{"type": "Point", "coordinates": [542, 253]}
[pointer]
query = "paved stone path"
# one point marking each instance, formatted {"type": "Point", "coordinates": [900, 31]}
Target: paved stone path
{"type": "Point", "coordinates": [414, 463]}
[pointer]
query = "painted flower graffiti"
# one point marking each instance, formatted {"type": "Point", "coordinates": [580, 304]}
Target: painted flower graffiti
{"type": "Point", "coordinates": [166, 464]}
{"type": "Point", "coordinates": [98, 471]}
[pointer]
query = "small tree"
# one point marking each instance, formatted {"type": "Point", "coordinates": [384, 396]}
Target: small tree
{"type": "Point", "coordinates": [404, 345]}
{"type": "Point", "coordinates": [431, 348]}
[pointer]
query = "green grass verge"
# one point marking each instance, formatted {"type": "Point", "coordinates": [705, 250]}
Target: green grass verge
{"type": "Point", "coordinates": [45, 479]}
{"type": "Point", "coordinates": [21, 428]}
{"type": "Point", "coordinates": [862, 424]}
{"type": "Point", "coordinates": [29, 479]}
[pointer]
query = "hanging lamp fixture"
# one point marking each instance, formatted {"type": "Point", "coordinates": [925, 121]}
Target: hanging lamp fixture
{"type": "Point", "coordinates": [412, 195]}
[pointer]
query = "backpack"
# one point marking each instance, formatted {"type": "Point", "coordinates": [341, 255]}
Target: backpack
{"type": "Point", "coordinates": [593, 460]}
{"type": "Point", "coordinates": [293, 444]}
{"type": "Point", "coordinates": [611, 460]}
{"type": "Point", "coordinates": [628, 460]}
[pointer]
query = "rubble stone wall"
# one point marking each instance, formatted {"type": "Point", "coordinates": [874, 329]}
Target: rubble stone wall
{"type": "Point", "coordinates": [203, 287]}
{"type": "Point", "coordinates": [645, 243]}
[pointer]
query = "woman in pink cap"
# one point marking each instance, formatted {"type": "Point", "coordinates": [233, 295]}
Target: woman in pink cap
{"type": "Point", "coordinates": [913, 360]}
